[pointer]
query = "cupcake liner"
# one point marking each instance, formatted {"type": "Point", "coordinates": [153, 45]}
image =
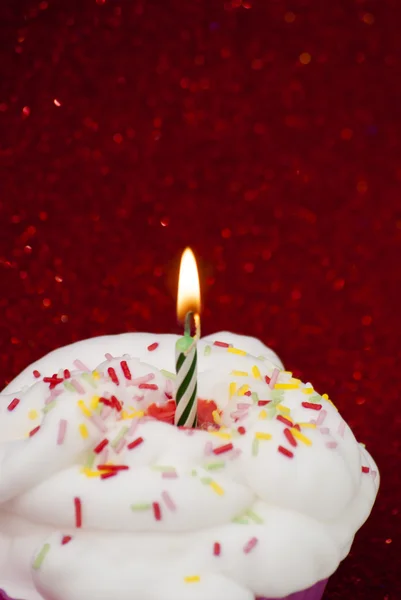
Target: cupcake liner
{"type": "Point", "coordinates": [315, 592]}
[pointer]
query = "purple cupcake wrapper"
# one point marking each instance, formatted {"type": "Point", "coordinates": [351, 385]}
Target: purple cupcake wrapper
{"type": "Point", "coordinates": [315, 592]}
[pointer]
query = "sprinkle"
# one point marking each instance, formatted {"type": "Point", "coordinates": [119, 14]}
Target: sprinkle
{"type": "Point", "coordinates": [98, 423]}
{"type": "Point", "coordinates": [308, 425]}
{"type": "Point", "coordinates": [142, 506]}
{"type": "Point", "coordinates": [66, 539]}
{"type": "Point", "coordinates": [113, 376]}
{"type": "Point", "coordinates": [83, 430]}
{"type": "Point", "coordinates": [33, 431]}
{"type": "Point", "coordinates": [156, 511]}
{"type": "Point", "coordinates": [254, 396]}
{"type": "Point", "coordinates": [243, 405]}
{"type": "Point", "coordinates": [125, 369]}
{"type": "Point", "coordinates": [133, 427]}
{"type": "Point", "coordinates": [36, 374]}
{"type": "Point", "coordinates": [216, 488]}
{"type": "Point", "coordinates": [237, 351]}
{"type": "Point", "coordinates": [374, 474]}
{"type": "Point", "coordinates": [301, 437]}
{"type": "Point", "coordinates": [307, 390]}
{"type": "Point", "coordinates": [53, 381]}
{"type": "Point", "coordinates": [207, 350]}
{"type": "Point", "coordinates": [243, 390]}
{"type": "Point", "coordinates": [78, 512]}
{"type": "Point", "coordinates": [116, 403]}
{"type": "Point", "coordinates": [108, 356]}
{"type": "Point", "coordinates": [321, 417]}
{"type": "Point", "coordinates": [48, 407]}
{"type": "Point", "coordinates": [274, 378]}
{"type": "Point", "coordinates": [284, 420]}
{"type": "Point", "coordinates": [221, 344]}
{"type": "Point", "coordinates": [169, 475]}
{"type": "Point", "coordinates": [241, 430]}
{"type": "Point", "coordinates": [90, 460]}
{"type": "Point", "coordinates": [216, 417]}
{"type": "Point", "coordinates": [286, 386]}
{"type": "Point", "coordinates": [100, 446]}
{"type": "Point", "coordinates": [254, 516]}
{"type": "Point", "coordinates": [80, 365]}
{"type": "Point", "coordinates": [221, 434]}
{"type": "Point", "coordinates": [283, 409]}
{"type": "Point", "coordinates": [255, 447]}
{"type": "Point", "coordinates": [215, 465]}
{"type": "Point", "coordinates": [84, 408]}
{"type": "Point", "coordinates": [285, 451]}
{"type": "Point", "coordinates": [68, 386]}
{"type": "Point", "coordinates": [62, 427]}
{"type": "Point", "coordinates": [108, 474]}
{"type": "Point", "coordinates": [206, 480]}
{"type": "Point", "coordinates": [153, 346]}
{"type": "Point", "coordinates": [112, 467]}
{"type": "Point", "coordinates": [260, 435]}
{"type": "Point", "coordinates": [120, 446]}
{"type": "Point", "coordinates": [222, 449]}
{"type": "Point", "coordinates": [263, 402]}
{"type": "Point", "coordinates": [365, 469]}
{"type": "Point", "coordinates": [324, 430]}
{"type": "Point", "coordinates": [148, 386]}
{"type": "Point", "coordinates": [123, 431]}
{"type": "Point", "coordinates": [88, 377]}
{"type": "Point", "coordinates": [164, 468]}
{"type": "Point", "coordinates": [41, 556]}
{"type": "Point", "coordinates": [77, 386]}
{"type": "Point", "coordinates": [262, 415]}
{"type": "Point", "coordinates": [256, 372]}
{"type": "Point", "coordinates": [232, 389]}
{"type": "Point", "coordinates": [135, 443]}
{"type": "Point", "coordinates": [331, 444]}
{"type": "Point", "coordinates": [192, 579]}
{"type": "Point", "coordinates": [216, 549]}
{"type": "Point", "coordinates": [240, 373]}
{"type": "Point", "coordinates": [250, 545]}
{"type": "Point", "coordinates": [208, 448]}
{"type": "Point", "coordinates": [312, 406]}
{"type": "Point", "coordinates": [67, 374]}
{"type": "Point", "coordinates": [168, 374]}
{"type": "Point", "coordinates": [13, 404]}
{"type": "Point", "coordinates": [240, 520]}
{"type": "Point", "coordinates": [169, 501]}
{"type": "Point", "coordinates": [290, 437]}
{"type": "Point", "coordinates": [341, 428]}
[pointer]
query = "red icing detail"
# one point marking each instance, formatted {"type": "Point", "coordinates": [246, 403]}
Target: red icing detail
{"type": "Point", "coordinates": [206, 409]}
{"type": "Point", "coordinates": [164, 412]}
{"type": "Point", "coordinates": [263, 402]}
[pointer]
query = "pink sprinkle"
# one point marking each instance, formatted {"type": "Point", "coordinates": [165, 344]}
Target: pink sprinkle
{"type": "Point", "coordinates": [169, 389]}
{"type": "Point", "coordinates": [341, 429]}
{"type": "Point", "coordinates": [374, 474]}
{"type": "Point", "coordinates": [239, 414]}
{"type": "Point", "coordinates": [332, 444]}
{"type": "Point", "coordinates": [143, 379]}
{"type": "Point", "coordinates": [153, 346]}
{"type": "Point", "coordinates": [77, 386]}
{"type": "Point", "coordinates": [324, 430]}
{"type": "Point", "coordinates": [120, 446]}
{"type": "Point", "coordinates": [250, 545]}
{"type": "Point", "coordinates": [321, 417]}
{"type": "Point", "coordinates": [53, 395]}
{"type": "Point", "coordinates": [274, 378]}
{"type": "Point", "coordinates": [106, 410]}
{"type": "Point", "coordinates": [62, 428]}
{"type": "Point", "coordinates": [80, 365]}
{"type": "Point", "coordinates": [133, 427]}
{"type": "Point", "coordinates": [97, 421]}
{"type": "Point", "coordinates": [105, 456]}
{"type": "Point", "coordinates": [138, 398]}
{"type": "Point", "coordinates": [208, 448]}
{"type": "Point", "coordinates": [235, 453]}
{"type": "Point", "coordinates": [243, 405]}
{"type": "Point", "coordinates": [108, 356]}
{"type": "Point", "coordinates": [169, 475]}
{"type": "Point", "coordinates": [168, 501]}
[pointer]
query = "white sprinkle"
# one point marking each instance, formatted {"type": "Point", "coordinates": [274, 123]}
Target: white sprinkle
{"type": "Point", "coordinates": [321, 417]}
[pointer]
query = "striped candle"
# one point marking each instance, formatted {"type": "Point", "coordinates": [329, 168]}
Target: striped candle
{"type": "Point", "coordinates": [186, 380]}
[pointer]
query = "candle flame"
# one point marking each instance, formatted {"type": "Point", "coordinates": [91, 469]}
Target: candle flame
{"type": "Point", "coordinates": [188, 298]}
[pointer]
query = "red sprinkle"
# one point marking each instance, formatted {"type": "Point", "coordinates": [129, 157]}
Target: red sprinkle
{"type": "Point", "coordinates": [222, 449]}
{"type": "Point", "coordinates": [285, 451]}
{"type": "Point", "coordinates": [311, 405]}
{"type": "Point", "coordinates": [284, 420]}
{"type": "Point", "coordinates": [156, 511]}
{"type": "Point", "coordinates": [54, 380]}
{"type": "Point", "coordinates": [296, 426]}
{"type": "Point", "coordinates": [113, 376]}
{"type": "Point", "coordinates": [267, 379]}
{"type": "Point", "coordinates": [290, 437]}
{"type": "Point", "coordinates": [241, 430]}
{"type": "Point", "coordinates": [66, 539]}
{"type": "Point", "coordinates": [248, 393]}
{"type": "Point", "coordinates": [100, 446]}
{"type": "Point", "coordinates": [78, 512]}
{"type": "Point", "coordinates": [13, 404]}
{"type": "Point", "coordinates": [135, 443]}
{"type": "Point", "coordinates": [112, 468]}
{"type": "Point", "coordinates": [153, 346]}
{"type": "Point", "coordinates": [106, 401]}
{"type": "Point", "coordinates": [67, 374]}
{"type": "Point", "coordinates": [36, 374]}
{"type": "Point", "coordinates": [116, 404]}
{"type": "Point", "coordinates": [148, 386]}
{"type": "Point", "coordinates": [33, 431]}
{"type": "Point", "coordinates": [108, 474]}
{"type": "Point", "coordinates": [221, 344]}
{"type": "Point", "coordinates": [263, 402]}
{"type": "Point", "coordinates": [216, 549]}
{"type": "Point", "coordinates": [365, 469]}
{"type": "Point", "coordinates": [125, 369]}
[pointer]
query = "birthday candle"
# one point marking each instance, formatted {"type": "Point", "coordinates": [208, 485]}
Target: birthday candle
{"type": "Point", "coordinates": [186, 380]}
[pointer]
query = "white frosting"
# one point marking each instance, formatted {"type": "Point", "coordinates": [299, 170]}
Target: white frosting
{"type": "Point", "coordinates": [301, 511]}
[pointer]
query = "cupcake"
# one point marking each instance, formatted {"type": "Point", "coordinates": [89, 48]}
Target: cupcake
{"type": "Point", "coordinates": [102, 496]}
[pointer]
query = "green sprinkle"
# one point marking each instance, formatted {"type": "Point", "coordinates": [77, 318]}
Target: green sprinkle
{"type": "Point", "coordinates": [168, 374]}
{"type": "Point", "coordinates": [315, 398]}
{"type": "Point", "coordinates": [163, 468]}
{"type": "Point", "coordinates": [89, 379]}
{"type": "Point", "coordinates": [90, 460]}
{"type": "Point", "coordinates": [206, 480]}
{"type": "Point", "coordinates": [261, 357]}
{"type": "Point", "coordinates": [270, 411]}
{"type": "Point", "coordinates": [277, 396]}
{"type": "Point", "coordinates": [119, 436]}
{"type": "Point", "coordinates": [68, 386]}
{"type": "Point", "coordinates": [49, 407]}
{"type": "Point", "coordinates": [143, 506]}
{"type": "Point", "coordinates": [255, 397]}
{"type": "Point", "coordinates": [215, 465]}
{"type": "Point", "coordinates": [255, 447]}
{"type": "Point", "coordinates": [41, 556]}
{"type": "Point", "coordinates": [254, 516]}
{"type": "Point", "coordinates": [194, 472]}
{"type": "Point", "coordinates": [240, 520]}
{"type": "Point", "coordinates": [208, 350]}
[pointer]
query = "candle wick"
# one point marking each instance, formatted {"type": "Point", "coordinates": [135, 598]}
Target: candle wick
{"type": "Point", "coordinates": [188, 323]}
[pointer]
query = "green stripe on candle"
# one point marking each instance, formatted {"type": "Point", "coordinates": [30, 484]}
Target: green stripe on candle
{"type": "Point", "coordinates": [188, 409]}
{"type": "Point", "coordinates": [188, 377]}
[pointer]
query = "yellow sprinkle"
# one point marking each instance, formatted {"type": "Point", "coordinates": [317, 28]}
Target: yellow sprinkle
{"type": "Point", "coordinates": [259, 435]}
{"type": "Point", "coordinates": [90, 473]}
{"type": "Point", "coordinates": [286, 386]}
{"type": "Point", "coordinates": [216, 417]}
{"type": "Point", "coordinates": [288, 373]}
{"type": "Point", "coordinates": [83, 430]}
{"type": "Point", "coordinates": [262, 414]}
{"type": "Point", "coordinates": [325, 396]}
{"type": "Point", "coordinates": [283, 409]}
{"type": "Point", "coordinates": [232, 388]}
{"type": "Point", "coordinates": [84, 408]}
{"type": "Point", "coordinates": [95, 375]}
{"type": "Point", "coordinates": [242, 390]}
{"type": "Point", "coordinates": [192, 579]}
{"type": "Point", "coordinates": [307, 425]}
{"type": "Point", "coordinates": [308, 390]}
{"type": "Point", "coordinates": [224, 436]}
{"type": "Point", "coordinates": [94, 402]}
{"type": "Point", "coordinates": [215, 487]}
{"type": "Point", "coordinates": [256, 372]}
{"type": "Point", "coordinates": [137, 414]}
{"type": "Point", "coordinates": [295, 380]}
{"type": "Point", "coordinates": [125, 415]}
{"type": "Point", "coordinates": [236, 351]}
{"type": "Point", "coordinates": [33, 414]}
{"type": "Point", "coordinates": [240, 373]}
{"type": "Point", "coordinates": [301, 437]}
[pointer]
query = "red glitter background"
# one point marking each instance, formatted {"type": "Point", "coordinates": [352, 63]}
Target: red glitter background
{"type": "Point", "coordinates": [266, 135]}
